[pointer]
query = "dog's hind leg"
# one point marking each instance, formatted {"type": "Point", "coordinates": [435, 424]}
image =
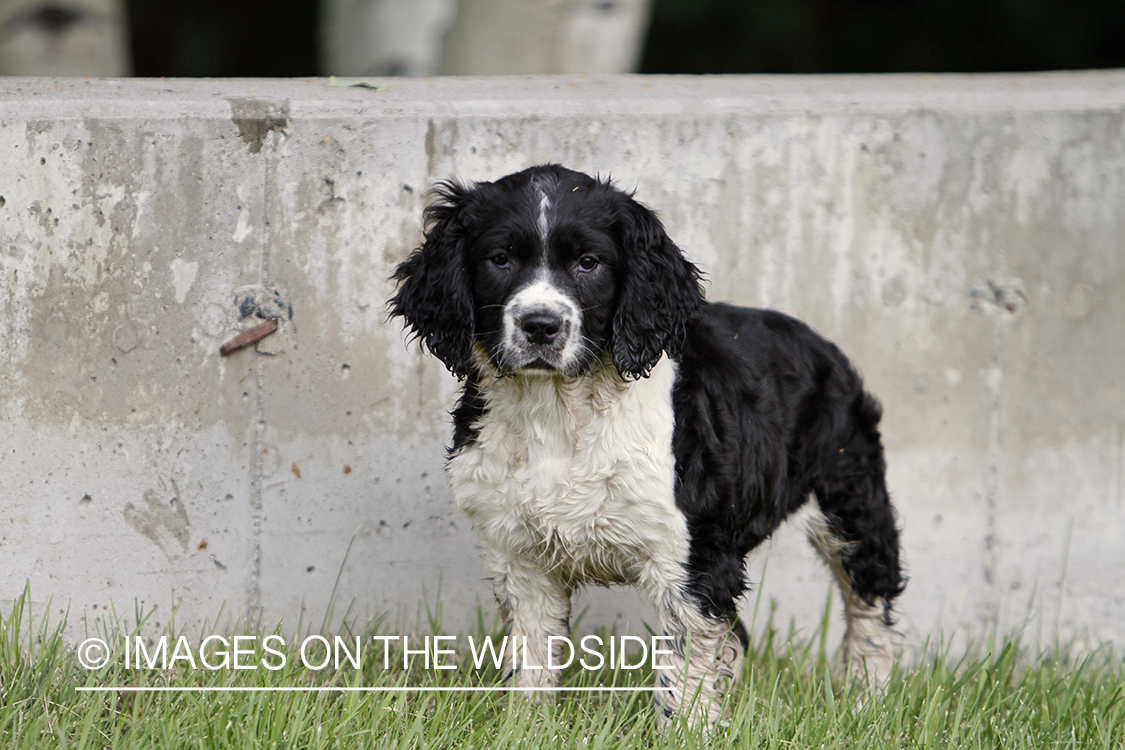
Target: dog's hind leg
{"type": "Point", "coordinates": [858, 539]}
{"type": "Point", "coordinates": [868, 647]}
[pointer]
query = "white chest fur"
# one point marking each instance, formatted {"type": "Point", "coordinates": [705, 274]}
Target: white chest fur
{"type": "Point", "coordinates": [576, 473]}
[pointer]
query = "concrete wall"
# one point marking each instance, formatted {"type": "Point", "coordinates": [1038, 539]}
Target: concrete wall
{"type": "Point", "coordinates": [962, 237]}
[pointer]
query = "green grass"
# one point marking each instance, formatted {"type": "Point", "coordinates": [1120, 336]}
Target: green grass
{"type": "Point", "coordinates": [790, 697]}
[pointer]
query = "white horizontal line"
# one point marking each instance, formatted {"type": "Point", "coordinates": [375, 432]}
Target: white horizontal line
{"type": "Point", "coordinates": [281, 689]}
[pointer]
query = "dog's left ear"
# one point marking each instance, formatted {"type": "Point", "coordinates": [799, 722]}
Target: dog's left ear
{"type": "Point", "coordinates": [659, 292]}
{"type": "Point", "coordinates": [435, 296]}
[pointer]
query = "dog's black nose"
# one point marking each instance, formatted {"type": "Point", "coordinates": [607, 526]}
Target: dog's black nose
{"type": "Point", "coordinates": [541, 327]}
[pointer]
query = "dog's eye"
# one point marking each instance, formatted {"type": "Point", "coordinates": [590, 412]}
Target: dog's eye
{"type": "Point", "coordinates": [588, 263]}
{"type": "Point", "coordinates": [500, 260]}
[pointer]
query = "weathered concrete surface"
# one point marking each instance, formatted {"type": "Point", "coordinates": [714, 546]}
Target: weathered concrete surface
{"type": "Point", "coordinates": [962, 237]}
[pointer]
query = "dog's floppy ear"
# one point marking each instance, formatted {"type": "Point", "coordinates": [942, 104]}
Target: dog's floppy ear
{"type": "Point", "coordinates": [435, 296]}
{"type": "Point", "coordinates": [658, 293]}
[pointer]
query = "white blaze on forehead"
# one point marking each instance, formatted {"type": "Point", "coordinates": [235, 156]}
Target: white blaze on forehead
{"type": "Point", "coordinates": [543, 187]}
{"type": "Point", "coordinates": [544, 226]}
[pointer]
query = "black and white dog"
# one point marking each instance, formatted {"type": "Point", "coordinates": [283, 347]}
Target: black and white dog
{"type": "Point", "coordinates": [614, 427]}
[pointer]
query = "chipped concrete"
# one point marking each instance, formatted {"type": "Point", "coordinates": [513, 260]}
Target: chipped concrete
{"type": "Point", "coordinates": [961, 236]}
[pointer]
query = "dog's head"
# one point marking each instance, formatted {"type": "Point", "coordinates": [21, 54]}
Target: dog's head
{"type": "Point", "coordinates": [545, 270]}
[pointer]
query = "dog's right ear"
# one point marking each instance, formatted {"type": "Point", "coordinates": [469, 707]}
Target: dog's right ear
{"type": "Point", "coordinates": [434, 295]}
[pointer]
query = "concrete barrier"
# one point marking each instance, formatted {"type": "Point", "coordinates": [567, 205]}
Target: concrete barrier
{"type": "Point", "coordinates": [963, 237]}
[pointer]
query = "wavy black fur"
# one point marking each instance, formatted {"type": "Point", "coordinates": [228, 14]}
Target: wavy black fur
{"type": "Point", "coordinates": [767, 412]}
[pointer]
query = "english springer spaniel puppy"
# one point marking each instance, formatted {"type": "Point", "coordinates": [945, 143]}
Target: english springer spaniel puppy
{"type": "Point", "coordinates": [616, 428]}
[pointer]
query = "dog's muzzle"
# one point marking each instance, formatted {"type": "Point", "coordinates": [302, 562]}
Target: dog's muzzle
{"type": "Point", "coordinates": [541, 330]}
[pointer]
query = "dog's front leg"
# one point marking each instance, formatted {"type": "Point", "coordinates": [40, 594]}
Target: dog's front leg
{"type": "Point", "coordinates": [702, 657]}
{"type": "Point", "coordinates": [536, 608]}
{"type": "Point", "coordinates": [695, 677]}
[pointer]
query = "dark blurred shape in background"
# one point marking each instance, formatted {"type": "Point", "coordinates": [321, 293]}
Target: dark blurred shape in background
{"type": "Point", "coordinates": [884, 36]}
{"type": "Point", "coordinates": [203, 38]}
{"type": "Point", "coordinates": [296, 38]}
{"type": "Point", "coordinates": [64, 38]}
